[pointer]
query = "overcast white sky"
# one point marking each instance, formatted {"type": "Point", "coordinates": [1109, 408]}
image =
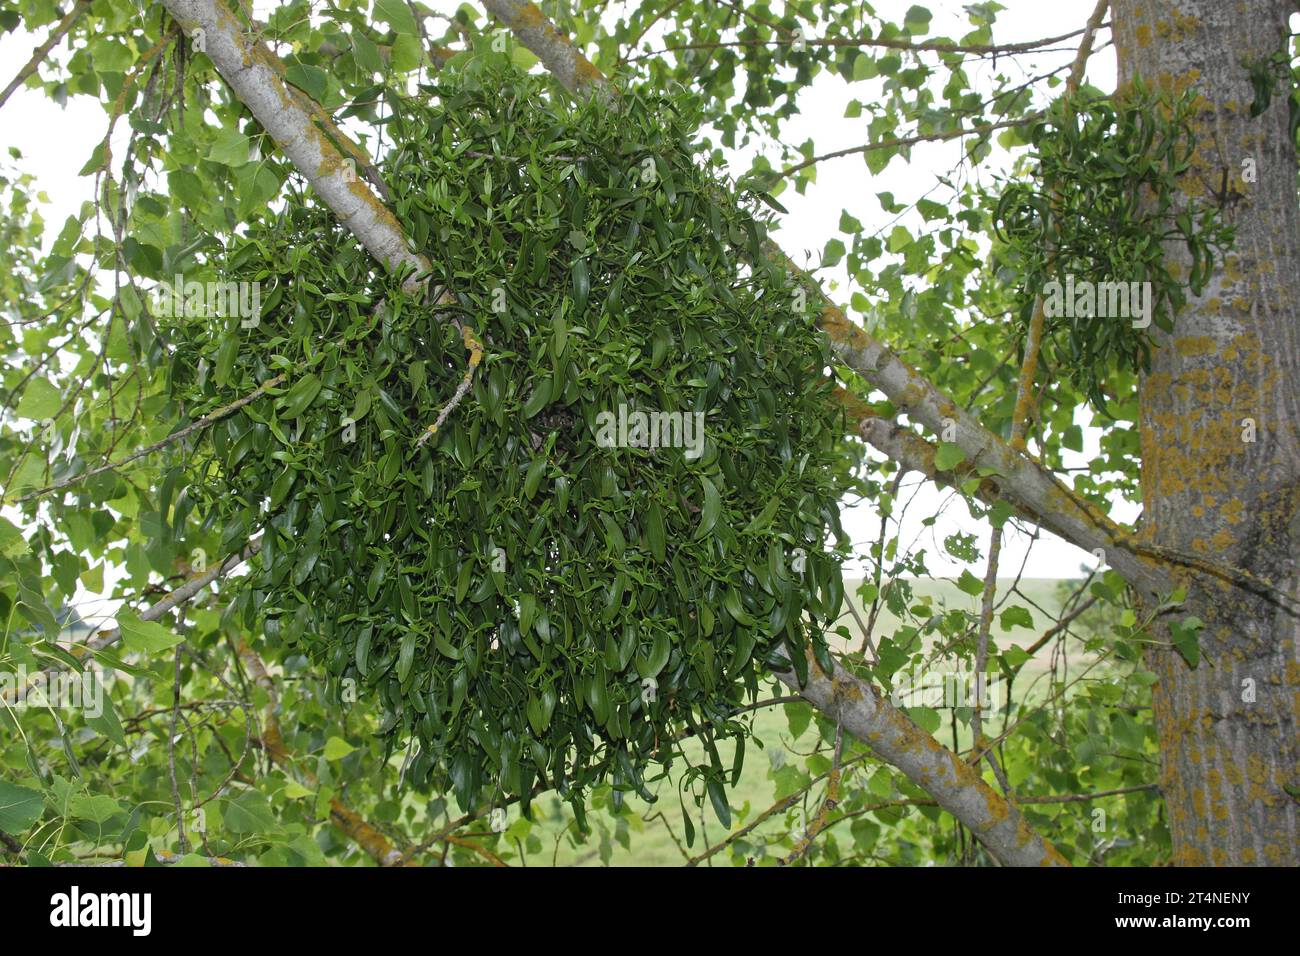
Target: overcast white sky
{"type": "Point", "coordinates": [57, 142]}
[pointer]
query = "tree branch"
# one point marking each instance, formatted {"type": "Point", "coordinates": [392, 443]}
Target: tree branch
{"type": "Point", "coordinates": [182, 595]}
{"type": "Point", "coordinates": [374, 843]}
{"type": "Point", "coordinates": [203, 422]}
{"type": "Point", "coordinates": [1034, 487]}
{"type": "Point", "coordinates": [956, 786]}
{"type": "Point", "coordinates": [1085, 45]}
{"type": "Point", "coordinates": [908, 141]}
{"type": "Point", "coordinates": [907, 46]}
{"type": "Point", "coordinates": [575, 72]}
{"type": "Point", "coordinates": [779, 807]}
{"type": "Point", "coordinates": [42, 51]}
{"type": "Point", "coordinates": [257, 78]}
{"type": "Point", "coordinates": [1025, 403]}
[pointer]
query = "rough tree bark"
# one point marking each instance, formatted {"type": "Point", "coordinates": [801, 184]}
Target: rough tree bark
{"type": "Point", "coordinates": [957, 786]}
{"type": "Point", "coordinates": [1220, 431]}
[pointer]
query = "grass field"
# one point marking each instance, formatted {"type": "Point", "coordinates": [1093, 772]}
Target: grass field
{"type": "Point", "coordinates": [651, 843]}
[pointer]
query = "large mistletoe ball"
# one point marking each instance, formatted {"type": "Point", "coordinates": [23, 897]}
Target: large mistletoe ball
{"type": "Point", "coordinates": [625, 518]}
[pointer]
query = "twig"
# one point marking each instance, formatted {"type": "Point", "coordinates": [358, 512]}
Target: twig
{"type": "Point", "coordinates": [870, 627]}
{"type": "Point", "coordinates": [910, 141]}
{"type": "Point", "coordinates": [1072, 84]}
{"type": "Point", "coordinates": [1049, 798]}
{"type": "Point", "coordinates": [203, 422]}
{"type": "Point", "coordinates": [979, 49]}
{"type": "Point", "coordinates": [475, 356]}
{"type": "Point", "coordinates": [632, 44]}
{"type": "Point", "coordinates": [828, 804]}
{"type": "Point", "coordinates": [982, 652]}
{"type": "Point", "coordinates": [182, 842]}
{"type": "Point", "coordinates": [779, 807]}
{"type": "Point", "coordinates": [43, 50]}
{"type": "Point", "coordinates": [1057, 628]}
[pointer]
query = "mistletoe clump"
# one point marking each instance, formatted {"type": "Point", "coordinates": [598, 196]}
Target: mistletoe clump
{"type": "Point", "coordinates": [1104, 199]}
{"type": "Point", "coordinates": [549, 590]}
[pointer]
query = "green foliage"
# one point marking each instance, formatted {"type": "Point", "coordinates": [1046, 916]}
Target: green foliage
{"type": "Point", "coordinates": [1102, 205]}
{"type": "Point", "coordinates": [511, 589]}
{"type": "Point", "coordinates": [1270, 76]}
{"type": "Point", "coordinates": [491, 181]}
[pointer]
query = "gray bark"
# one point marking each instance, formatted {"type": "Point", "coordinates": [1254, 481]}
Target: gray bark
{"type": "Point", "coordinates": [955, 784]}
{"type": "Point", "coordinates": [1228, 729]}
{"type": "Point", "coordinates": [255, 75]}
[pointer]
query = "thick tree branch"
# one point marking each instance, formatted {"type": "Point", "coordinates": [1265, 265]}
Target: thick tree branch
{"type": "Point", "coordinates": [575, 72]}
{"type": "Point", "coordinates": [307, 136]}
{"type": "Point", "coordinates": [914, 453]}
{"type": "Point", "coordinates": [956, 786]}
{"type": "Point", "coordinates": [1021, 478]}
{"type": "Point", "coordinates": [255, 75]}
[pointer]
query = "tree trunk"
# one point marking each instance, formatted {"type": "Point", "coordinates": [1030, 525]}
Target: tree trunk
{"type": "Point", "coordinates": [1221, 447]}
